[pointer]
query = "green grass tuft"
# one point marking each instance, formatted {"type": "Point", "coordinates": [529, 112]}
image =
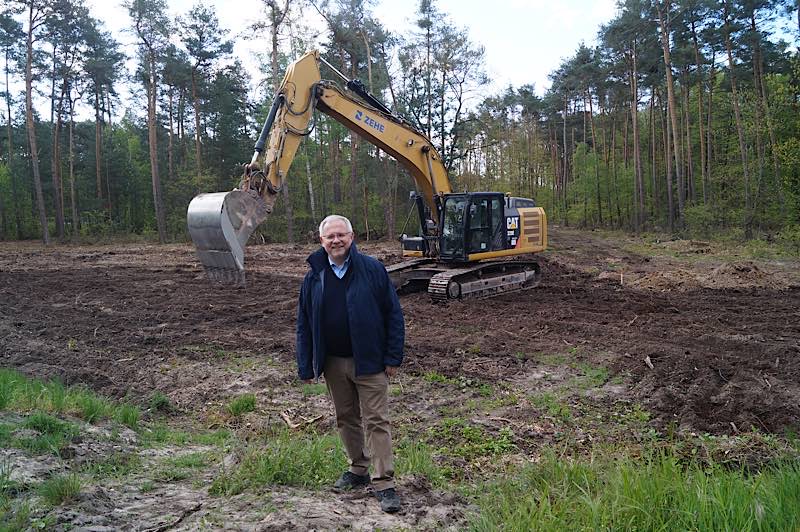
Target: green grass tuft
{"type": "Point", "coordinates": [9, 382]}
{"type": "Point", "coordinates": [91, 407]}
{"type": "Point", "coordinates": [60, 489]}
{"type": "Point", "coordinates": [242, 404]}
{"type": "Point", "coordinates": [160, 402]}
{"type": "Point", "coordinates": [290, 459]}
{"type": "Point", "coordinates": [314, 389]}
{"type": "Point", "coordinates": [128, 415]}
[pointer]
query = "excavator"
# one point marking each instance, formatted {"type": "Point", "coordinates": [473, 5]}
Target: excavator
{"type": "Point", "coordinates": [469, 245]}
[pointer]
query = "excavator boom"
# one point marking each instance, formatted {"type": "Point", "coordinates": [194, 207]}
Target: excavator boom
{"type": "Point", "coordinates": [221, 223]}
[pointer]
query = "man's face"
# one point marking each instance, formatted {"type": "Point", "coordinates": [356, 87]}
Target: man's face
{"type": "Point", "coordinates": [336, 240]}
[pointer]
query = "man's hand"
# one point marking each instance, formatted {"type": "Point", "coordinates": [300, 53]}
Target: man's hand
{"type": "Point", "coordinates": [391, 371]}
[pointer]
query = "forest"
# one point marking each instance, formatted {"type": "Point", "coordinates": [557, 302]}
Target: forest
{"type": "Point", "coordinates": [684, 119]}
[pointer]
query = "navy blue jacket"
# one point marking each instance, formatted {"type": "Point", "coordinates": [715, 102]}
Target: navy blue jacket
{"type": "Point", "coordinates": [377, 328]}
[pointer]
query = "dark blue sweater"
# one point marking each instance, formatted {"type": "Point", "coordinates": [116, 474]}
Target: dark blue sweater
{"type": "Point", "coordinates": [377, 328]}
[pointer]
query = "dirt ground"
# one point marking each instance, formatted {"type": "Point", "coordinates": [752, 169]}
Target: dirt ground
{"type": "Point", "coordinates": [705, 341]}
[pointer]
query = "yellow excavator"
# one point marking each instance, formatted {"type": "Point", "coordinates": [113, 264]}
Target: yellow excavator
{"type": "Point", "coordinates": [471, 244]}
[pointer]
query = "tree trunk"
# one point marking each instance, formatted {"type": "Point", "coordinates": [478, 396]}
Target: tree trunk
{"type": "Point", "coordinates": [336, 178]}
{"type": "Point", "coordinates": [158, 201]}
{"type": "Point", "coordinates": [196, 103]}
{"type": "Point", "coordinates": [14, 191]}
{"type": "Point", "coordinates": [109, 145]}
{"type": "Point", "coordinates": [688, 130]}
{"type": "Point", "coordinates": [709, 144]}
{"type": "Point", "coordinates": [656, 208]}
{"type": "Point", "coordinates": [637, 153]}
{"type": "Point", "coordinates": [170, 138]}
{"type": "Point", "coordinates": [55, 163]}
{"type": "Point", "coordinates": [668, 163]}
{"type": "Point", "coordinates": [72, 198]}
{"type": "Point", "coordinates": [673, 110]}
{"type": "Point", "coordinates": [311, 199]}
{"type": "Point", "coordinates": [98, 143]}
{"type": "Point", "coordinates": [761, 89]}
{"type": "Point", "coordinates": [565, 170]}
{"type": "Point", "coordinates": [700, 115]}
{"type": "Point", "coordinates": [738, 115]}
{"type": "Point", "coordinates": [37, 179]}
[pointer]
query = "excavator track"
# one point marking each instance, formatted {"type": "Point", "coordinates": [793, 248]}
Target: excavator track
{"type": "Point", "coordinates": [484, 280]}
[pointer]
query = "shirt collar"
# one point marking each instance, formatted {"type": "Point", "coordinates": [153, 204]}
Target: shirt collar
{"type": "Point", "coordinates": [337, 267]}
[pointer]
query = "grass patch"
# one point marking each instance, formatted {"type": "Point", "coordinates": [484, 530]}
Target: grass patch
{"type": "Point", "coordinates": [593, 376]}
{"type": "Point", "coordinates": [417, 458]}
{"type": "Point", "coordinates": [128, 415]}
{"type": "Point", "coordinates": [159, 433]}
{"type": "Point", "coordinates": [314, 388]}
{"type": "Point", "coordinates": [653, 493]}
{"type": "Point", "coordinates": [438, 378]}
{"type": "Point", "coordinates": [91, 407]}
{"type": "Point", "coordinates": [60, 489]}
{"type": "Point", "coordinates": [191, 460]}
{"type": "Point", "coordinates": [242, 404]}
{"type": "Point", "coordinates": [306, 460]}
{"type": "Point", "coordinates": [160, 403]}
{"type": "Point", "coordinates": [52, 435]}
{"type": "Point", "coordinates": [551, 404]}
{"type": "Point", "coordinates": [459, 438]}
{"type": "Point", "coordinates": [117, 465]}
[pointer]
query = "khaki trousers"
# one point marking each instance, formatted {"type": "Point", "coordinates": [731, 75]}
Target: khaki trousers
{"type": "Point", "coordinates": [362, 406]}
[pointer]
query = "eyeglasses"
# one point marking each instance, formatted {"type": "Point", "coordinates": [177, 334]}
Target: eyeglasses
{"type": "Point", "coordinates": [334, 236]}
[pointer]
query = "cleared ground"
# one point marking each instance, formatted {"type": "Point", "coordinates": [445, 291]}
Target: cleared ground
{"type": "Point", "coordinates": [623, 336]}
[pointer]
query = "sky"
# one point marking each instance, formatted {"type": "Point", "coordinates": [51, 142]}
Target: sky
{"type": "Point", "coordinates": [524, 40]}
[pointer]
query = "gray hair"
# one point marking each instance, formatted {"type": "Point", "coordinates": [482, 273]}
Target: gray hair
{"type": "Point", "coordinates": [335, 218]}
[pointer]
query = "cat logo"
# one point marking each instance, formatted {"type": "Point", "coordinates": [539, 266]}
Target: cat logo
{"type": "Point", "coordinates": [512, 222]}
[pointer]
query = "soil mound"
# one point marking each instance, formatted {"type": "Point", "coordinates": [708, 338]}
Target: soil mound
{"type": "Point", "coordinates": [743, 274]}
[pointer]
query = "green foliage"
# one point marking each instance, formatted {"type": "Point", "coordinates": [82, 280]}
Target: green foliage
{"type": "Point", "coordinates": [242, 404]}
{"type": "Point", "coordinates": [160, 402]}
{"type": "Point", "coordinates": [656, 492]}
{"type": "Point", "coordinates": [118, 465]}
{"type": "Point", "coordinates": [418, 458]}
{"type": "Point", "coordinates": [789, 239]}
{"type": "Point", "coordinates": [91, 407]}
{"type": "Point", "coordinates": [702, 220]}
{"type": "Point", "coordinates": [292, 459]}
{"type": "Point", "coordinates": [60, 489]}
{"type": "Point", "coordinates": [314, 389]}
{"type": "Point", "coordinates": [434, 377]}
{"type": "Point", "coordinates": [50, 434]}
{"type": "Point", "coordinates": [128, 415]}
{"type": "Point", "coordinates": [554, 406]}
{"type": "Point", "coordinates": [459, 438]}
{"type": "Point", "coordinates": [9, 382]}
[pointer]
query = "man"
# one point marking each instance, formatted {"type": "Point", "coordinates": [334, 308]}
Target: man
{"type": "Point", "coordinates": [350, 328]}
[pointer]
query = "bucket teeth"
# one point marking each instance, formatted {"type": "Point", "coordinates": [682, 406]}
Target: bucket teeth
{"type": "Point", "coordinates": [226, 276]}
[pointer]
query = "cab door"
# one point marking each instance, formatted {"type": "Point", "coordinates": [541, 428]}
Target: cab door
{"type": "Point", "coordinates": [485, 223]}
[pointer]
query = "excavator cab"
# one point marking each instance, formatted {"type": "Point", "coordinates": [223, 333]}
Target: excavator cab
{"type": "Point", "coordinates": [472, 223]}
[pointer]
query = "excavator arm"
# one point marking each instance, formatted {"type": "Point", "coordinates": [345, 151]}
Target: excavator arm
{"type": "Point", "coordinates": [221, 223]}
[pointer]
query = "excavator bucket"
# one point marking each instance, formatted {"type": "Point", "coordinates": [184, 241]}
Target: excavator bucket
{"type": "Point", "coordinates": [220, 224]}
